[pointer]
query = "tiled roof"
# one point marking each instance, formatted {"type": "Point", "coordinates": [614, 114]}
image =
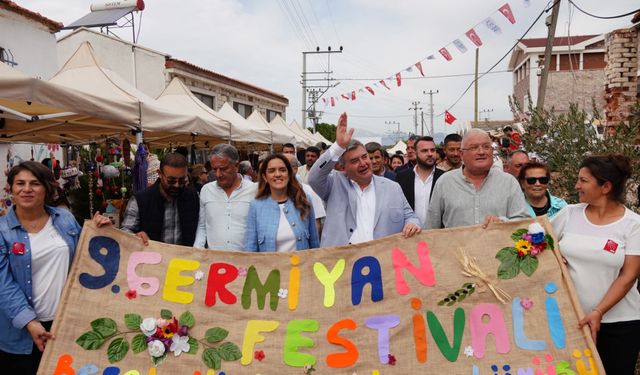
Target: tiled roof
{"type": "Point", "coordinates": [180, 64]}
{"type": "Point", "coordinates": [559, 41]}
{"type": "Point", "coordinates": [52, 25]}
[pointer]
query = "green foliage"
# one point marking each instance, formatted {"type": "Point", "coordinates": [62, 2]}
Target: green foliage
{"type": "Point", "coordinates": [139, 343]}
{"type": "Point", "coordinates": [216, 334]}
{"type": "Point", "coordinates": [90, 340]}
{"type": "Point", "coordinates": [117, 349]}
{"type": "Point", "coordinates": [132, 321]}
{"type": "Point", "coordinates": [187, 319]}
{"type": "Point", "coordinates": [211, 358]}
{"type": "Point", "coordinates": [563, 140]}
{"type": "Point", "coordinates": [105, 327]}
{"type": "Point", "coordinates": [166, 314]}
{"type": "Point", "coordinates": [327, 130]}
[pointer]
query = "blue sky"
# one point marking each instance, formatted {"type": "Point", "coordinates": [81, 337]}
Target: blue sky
{"type": "Point", "coordinates": [261, 42]}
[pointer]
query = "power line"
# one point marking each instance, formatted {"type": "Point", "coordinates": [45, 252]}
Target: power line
{"type": "Point", "coordinates": [603, 17]}
{"type": "Point", "coordinates": [502, 58]}
{"type": "Point", "coordinates": [369, 116]}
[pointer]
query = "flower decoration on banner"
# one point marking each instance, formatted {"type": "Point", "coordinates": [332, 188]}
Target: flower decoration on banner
{"type": "Point", "coordinates": [131, 294]}
{"type": "Point", "coordinates": [460, 43]}
{"type": "Point", "coordinates": [159, 337]}
{"type": "Point", "coordinates": [259, 355]}
{"type": "Point", "coordinates": [526, 303]}
{"type": "Point", "coordinates": [392, 360]}
{"type": "Point", "coordinates": [523, 256]}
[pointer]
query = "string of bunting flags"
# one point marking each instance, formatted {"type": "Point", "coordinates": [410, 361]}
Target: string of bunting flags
{"type": "Point", "coordinates": [460, 44]}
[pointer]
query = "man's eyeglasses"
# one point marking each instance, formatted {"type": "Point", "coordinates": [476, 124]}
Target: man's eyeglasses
{"type": "Point", "coordinates": [475, 148]}
{"type": "Point", "coordinates": [532, 180]}
{"type": "Point", "coordinates": [179, 181]}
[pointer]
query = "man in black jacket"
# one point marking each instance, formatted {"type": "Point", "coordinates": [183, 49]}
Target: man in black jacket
{"type": "Point", "coordinates": [168, 210]}
{"type": "Point", "coordinates": [417, 183]}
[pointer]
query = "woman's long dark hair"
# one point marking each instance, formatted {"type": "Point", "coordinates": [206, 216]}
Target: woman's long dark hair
{"type": "Point", "coordinates": [294, 189]}
{"type": "Point", "coordinates": [614, 168]}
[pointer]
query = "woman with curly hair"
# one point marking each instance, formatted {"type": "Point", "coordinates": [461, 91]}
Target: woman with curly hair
{"type": "Point", "coordinates": [281, 217]}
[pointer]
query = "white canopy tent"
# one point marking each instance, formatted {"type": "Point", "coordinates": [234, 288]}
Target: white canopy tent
{"type": "Point", "coordinates": [302, 140]}
{"type": "Point", "coordinates": [83, 73]}
{"type": "Point", "coordinates": [178, 98]}
{"type": "Point", "coordinates": [33, 110]}
{"type": "Point", "coordinates": [400, 146]}
{"type": "Point", "coordinates": [288, 136]}
{"type": "Point", "coordinates": [316, 136]}
{"type": "Point", "coordinates": [228, 113]}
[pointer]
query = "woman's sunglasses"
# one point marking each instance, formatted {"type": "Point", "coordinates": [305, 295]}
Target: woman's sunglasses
{"type": "Point", "coordinates": [532, 180]}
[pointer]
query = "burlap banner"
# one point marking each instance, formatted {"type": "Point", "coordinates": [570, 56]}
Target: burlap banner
{"type": "Point", "coordinates": [429, 304]}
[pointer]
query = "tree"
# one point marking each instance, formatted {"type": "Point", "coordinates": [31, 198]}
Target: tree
{"type": "Point", "coordinates": [563, 140]}
{"type": "Point", "coordinates": [327, 130]}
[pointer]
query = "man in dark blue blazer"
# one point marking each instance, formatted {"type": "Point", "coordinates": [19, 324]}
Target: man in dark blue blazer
{"type": "Point", "coordinates": [417, 183]}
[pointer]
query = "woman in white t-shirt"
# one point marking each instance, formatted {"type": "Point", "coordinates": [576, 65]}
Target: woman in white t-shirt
{"type": "Point", "coordinates": [600, 239]}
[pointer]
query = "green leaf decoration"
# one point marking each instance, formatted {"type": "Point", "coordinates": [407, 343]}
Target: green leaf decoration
{"type": "Point", "coordinates": [216, 334]}
{"type": "Point", "coordinates": [90, 340]}
{"type": "Point", "coordinates": [508, 270]}
{"type": "Point", "coordinates": [193, 346]}
{"type": "Point", "coordinates": [229, 351]}
{"type": "Point", "coordinates": [506, 253]}
{"type": "Point", "coordinates": [158, 360]}
{"type": "Point", "coordinates": [211, 358]}
{"type": "Point", "coordinates": [187, 319]}
{"type": "Point", "coordinates": [139, 343]}
{"type": "Point", "coordinates": [132, 321]}
{"type": "Point", "coordinates": [106, 327]}
{"type": "Point", "coordinates": [166, 314]}
{"type": "Point", "coordinates": [517, 235]}
{"type": "Point", "coordinates": [117, 349]}
{"type": "Point", "coordinates": [528, 265]}
{"type": "Point", "coordinates": [549, 240]}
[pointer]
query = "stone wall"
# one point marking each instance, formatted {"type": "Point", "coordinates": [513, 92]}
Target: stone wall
{"type": "Point", "coordinates": [578, 86]}
{"type": "Point", "coordinates": [621, 74]}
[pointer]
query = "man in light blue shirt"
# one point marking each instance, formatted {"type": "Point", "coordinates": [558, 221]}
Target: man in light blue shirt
{"type": "Point", "coordinates": [224, 203]}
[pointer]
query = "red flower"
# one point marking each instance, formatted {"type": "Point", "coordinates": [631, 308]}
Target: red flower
{"type": "Point", "coordinates": [259, 355]}
{"type": "Point", "coordinates": [172, 327]}
{"type": "Point", "coordinates": [131, 294]}
{"type": "Point", "coordinates": [392, 360]}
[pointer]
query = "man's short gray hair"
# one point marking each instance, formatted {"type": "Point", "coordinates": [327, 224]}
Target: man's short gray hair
{"type": "Point", "coordinates": [353, 144]}
{"type": "Point", "coordinates": [224, 150]}
{"type": "Point", "coordinates": [473, 132]}
{"type": "Point", "coordinates": [245, 166]}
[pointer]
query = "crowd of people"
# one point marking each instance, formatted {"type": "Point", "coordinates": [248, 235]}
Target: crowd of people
{"type": "Point", "coordinates": [345, 194]}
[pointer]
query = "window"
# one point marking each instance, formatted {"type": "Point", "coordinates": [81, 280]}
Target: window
{"type": "Point", "coordinates": [243, 109]}
{"type": "Point", "coordinates": [208, 100]}
{"type": "Point", "coordinates": [272, 114]}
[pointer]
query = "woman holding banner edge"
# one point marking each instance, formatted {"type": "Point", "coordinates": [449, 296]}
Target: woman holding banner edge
{"type": "Point", "coordinates": [281, 217]}
{"type": "Point", "coordinates": [600, 239]}
{"type": "Point", "coordinates": [37, 246]}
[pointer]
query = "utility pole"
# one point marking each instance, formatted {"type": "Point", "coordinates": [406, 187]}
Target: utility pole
{"type": "Point", "coordinates": [397, 132]}
{"type": "Point", "coordinates": [551, 22]}
{"type": "Point", "coordinates": [487, 111]}
{"type": "Point", "coordinates": [415, 109]}
{"type": "Point", "coordinates": [431, 93]}
{"type": "Point", "coordinates": [306, 83]}
{"type": "Point", "coordinates": [475, 89]}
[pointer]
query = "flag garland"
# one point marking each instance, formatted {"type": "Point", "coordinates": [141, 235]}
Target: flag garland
{"type": "Point", "coordinates": [471, 36]}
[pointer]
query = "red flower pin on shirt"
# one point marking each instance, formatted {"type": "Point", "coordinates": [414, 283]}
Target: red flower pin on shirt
{"type": "Point", "coordinates": [18, 248]}
{"type": "Point", "coordinates": [611, 246]}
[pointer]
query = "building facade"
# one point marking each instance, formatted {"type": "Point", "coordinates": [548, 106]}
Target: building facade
{"type": "Point", "coordinates": [215, 89]}
{"type": "Point", "coordinates": [576, 73]}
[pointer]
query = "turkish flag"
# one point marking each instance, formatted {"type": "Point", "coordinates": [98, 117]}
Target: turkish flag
{"type": "Point", "coordinates": [353, 95]}
{"type": "Point", "coordinates": [419, 66]}
{"type": "Point", "coordinates": [383, 83]}
{"type": "Point", "coordinates": [473, 36]}
{"type": "Point", "coordinates": [333, 101]}
{"type": "Point", "coordinates": [445, 54]}
{"type": "Point", "coordinates": [506, 11]}
{"type": "Point", "coordinates": [449, 118]}
{"type": "Point", "coordinates": [398, 79]}
{"type": "Point", "coordinates": [370, 90]}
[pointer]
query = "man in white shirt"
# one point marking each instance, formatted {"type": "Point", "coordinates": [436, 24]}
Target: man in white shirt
{"type": "Point", "coordinates": [360, 206]}
{"type": "Point", "coordinates": [417, 183]}
{"type": "Point", "coordinates": [224, 203]}
{"type": "Point", "coordinates": [310, 156]}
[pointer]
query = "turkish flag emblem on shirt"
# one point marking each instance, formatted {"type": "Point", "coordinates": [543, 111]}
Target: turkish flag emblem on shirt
{"type": "Point", "coordinates": [611, 246]}
{"type": "Point", "coordinates": [17, 248]}
{"type": "Point", "coordinates": [449, 118]}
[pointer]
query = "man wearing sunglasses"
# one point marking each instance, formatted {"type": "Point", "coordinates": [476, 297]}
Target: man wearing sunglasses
{"type": "Point", "coordinates": [534, 179]}
{"type": "Point", "coordinates": [168, 210]}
